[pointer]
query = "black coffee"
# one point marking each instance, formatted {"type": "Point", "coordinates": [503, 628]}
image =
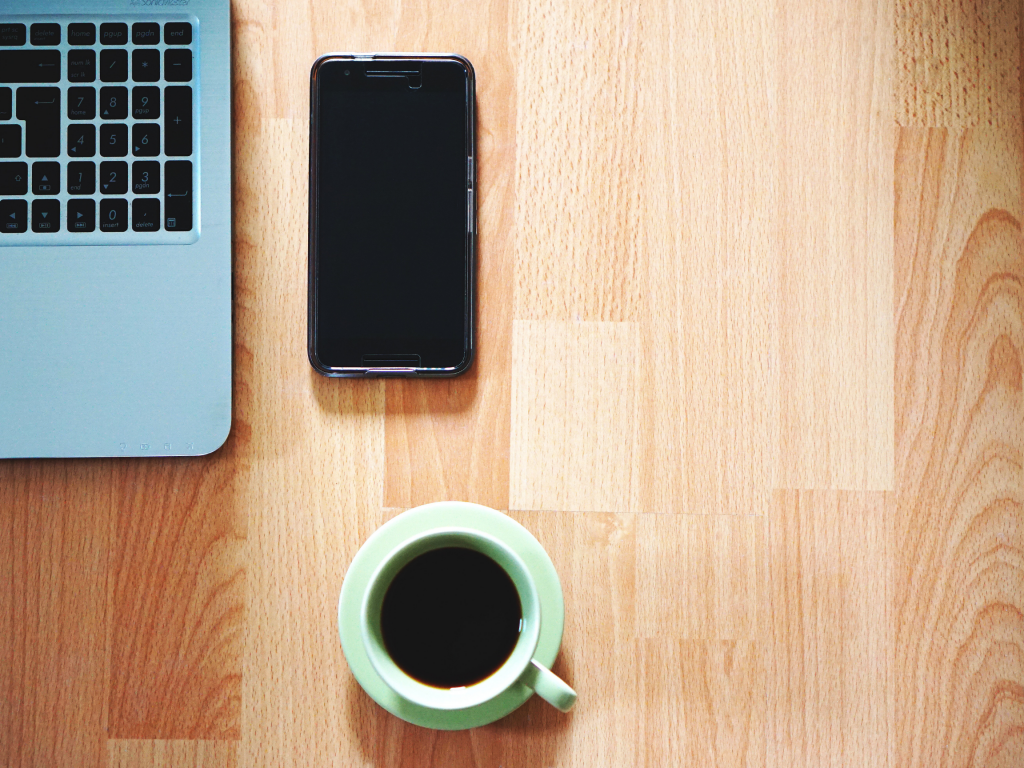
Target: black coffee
{"type": "Point", "coordinates": [451, 617]}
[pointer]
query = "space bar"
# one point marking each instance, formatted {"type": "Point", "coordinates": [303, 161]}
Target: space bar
{"type": "Point", "coordinates": [29, 66]}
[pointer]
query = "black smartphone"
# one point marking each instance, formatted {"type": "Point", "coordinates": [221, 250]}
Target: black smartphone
{"type": "Point", "coordinates": [392, 215]}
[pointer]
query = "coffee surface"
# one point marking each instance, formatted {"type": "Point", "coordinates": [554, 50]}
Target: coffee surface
{"type": "Point", "coordinates": [451, 617]}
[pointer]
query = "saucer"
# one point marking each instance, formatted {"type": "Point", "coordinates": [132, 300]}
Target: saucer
{"type": "Point", "coordinates": [394, 532]}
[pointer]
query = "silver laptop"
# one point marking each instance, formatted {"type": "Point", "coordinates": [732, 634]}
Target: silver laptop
{"type": "Point", "coordinates": [115, 227]}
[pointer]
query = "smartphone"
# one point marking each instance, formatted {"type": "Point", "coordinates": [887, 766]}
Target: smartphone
{"type": "Point", "coordinates": [392, 215]}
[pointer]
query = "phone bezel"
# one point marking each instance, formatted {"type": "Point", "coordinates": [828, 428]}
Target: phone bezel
{"type": "Point", "coordinates": [471, 202]}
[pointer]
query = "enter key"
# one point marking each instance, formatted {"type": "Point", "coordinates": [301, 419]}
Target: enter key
{"type": "Point", "coordinates": [40, 109]}
{"type": "Point", "coordinates": [178, 195]}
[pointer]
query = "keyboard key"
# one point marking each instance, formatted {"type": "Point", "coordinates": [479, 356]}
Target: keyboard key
{"type": "Point", "coordinates": [146, 65]}
{"type": "Point", "coordinates": [6, 105]}
{"type": "Point", "coordinates": [81, 66]}
{"type": "Point", "coordinates": [113, 102]}
{"type": "Point", "coordinates": [178, 195]}
{"type": "Point", "coordinates": [114, 178]}
{"type": "Point", "coordinates": [10, 141]}
{"type": "Point", "coordinates": [45, 215]}
{"type": "Point", "coordinates": [177, 65]}
{"type": "Point", "coordinates": [114, 65]}
{"type": "Point", "coordinates": [145, 33]}
{"type": "Point", "coordinates": [13, 216]}
{"type": "Point", "coordinates": [146, 214]}
{"type": "Point", "coordinates": [82, 34]}
{"type": "Point", "coordinates": [81, 215]}
{"type": "Point", "coordinates": [178, 122]}
{"type": "Point", "coordinates": [45, 34]}
{"type": "Point", "coordinates": [29, 66]}
{"type": "Point", "coordinates": [81, 103]}
{"type": "Point", "coordinates": [114, 34]}
{"type": "Point", "coordinates": [113, 215]}
{"type": "Point", "coordinates": [45, 178]}
{"type": "Point", "coordinates": [113, 140]}
{"type": "Point", "coordinates": [81, 178]}
{"type": "Point", "coordinates": [146, 139]}
{"type": "Point", "coordinates": [40, 109]}
{"type": "Point", "coordinates": [13, 178]}
{"type": "Point", "coordinates": [81, 140]}
{"type": "Point", "coordinates": [145, 102]}
{"type": "Point", "coordinates": [12, 34]}
{"type": "Point", "coordinates": [177, 33]}
{"type": "Point", "coordinates": [145, 178]}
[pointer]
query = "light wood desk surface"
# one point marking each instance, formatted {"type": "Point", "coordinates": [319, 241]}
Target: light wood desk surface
{"type": "Point", "coordinates": [751, 324]}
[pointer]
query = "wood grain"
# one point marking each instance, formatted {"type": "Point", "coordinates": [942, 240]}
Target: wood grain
{"type": "Point", "coordinates": [573, 416]}
{"type": "Point", "coordinates": [959, 566]}
{"type": "Point", "coordinates": [831, 696]}
{"type": "Point", "coordinates": [705, 363]}
{"type": "Point", "coordinates": [957, 63]}
{"type": "Point", "coordinates": [56, 536]}
{"type": "Point", "coordinates": [703, 703]}
{"type": "Point", "coordinates": [144, 753]}
{"type": "Point", "coordinates": [577, 159]}
{"type": "Point", "coordinates": [177, 579]}
{"type": "Point", "coordinates": [835, 302]}
{"type": "Point", "coordinates": [701, 577]}
{"type": "Point", "coordinates": [450, 439]}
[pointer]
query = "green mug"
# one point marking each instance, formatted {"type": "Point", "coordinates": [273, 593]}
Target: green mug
{"type": "Point", "coordinates": [520, 668]}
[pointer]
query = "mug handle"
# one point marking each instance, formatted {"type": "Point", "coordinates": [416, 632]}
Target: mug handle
{"type": "Point", "coordinates": [548, 686]}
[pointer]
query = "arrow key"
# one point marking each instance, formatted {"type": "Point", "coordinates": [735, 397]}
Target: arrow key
{"type": "Point", "coordinates": [146, 139]}
{"type": "Point", "coordinates": [81, 215]}
{"type": "Point", "coordinates": [45, 215]}
{"type": "Point", "coordinates": [13, 216]}
{"type": "Point", "coordinates": [81, 140]}
{"type": "Point", "coordinates": [45, 178]}
{"type": "Point", "coordinates": [113, 102]}
{"type": "Point", "coordinates": [113, 178]}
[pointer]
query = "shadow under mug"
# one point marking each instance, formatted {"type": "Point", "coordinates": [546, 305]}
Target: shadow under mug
{"type": "Point", "coordinates": [520, 667]}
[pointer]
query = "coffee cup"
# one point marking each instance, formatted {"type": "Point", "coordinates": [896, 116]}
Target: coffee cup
{"type": "Point", "coordinates": [450, 619]}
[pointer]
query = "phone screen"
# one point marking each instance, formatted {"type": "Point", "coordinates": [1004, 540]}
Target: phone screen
{"type": "Point", "coordinates": [391, 257]}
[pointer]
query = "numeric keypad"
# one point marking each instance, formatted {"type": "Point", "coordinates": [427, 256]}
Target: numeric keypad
{"type": "Point", "coordinates": [97, 129]}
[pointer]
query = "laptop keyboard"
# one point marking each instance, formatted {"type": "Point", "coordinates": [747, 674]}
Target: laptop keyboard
{"type": "Point", "coordinates": [98, 130]}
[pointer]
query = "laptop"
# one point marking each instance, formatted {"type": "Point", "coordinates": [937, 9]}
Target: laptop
{"type": "Point", "coordinates": [115, 227]}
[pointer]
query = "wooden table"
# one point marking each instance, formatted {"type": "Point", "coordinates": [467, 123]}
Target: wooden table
{"type": "Point", "coordinates": [751, 328]}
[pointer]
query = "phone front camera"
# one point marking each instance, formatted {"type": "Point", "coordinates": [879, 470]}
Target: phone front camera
{"type": "Point", "coordinates": [346, 72]}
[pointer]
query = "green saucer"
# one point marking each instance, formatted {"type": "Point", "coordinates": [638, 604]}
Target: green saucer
{"type": "Point", "coordinates": [393, 533]}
